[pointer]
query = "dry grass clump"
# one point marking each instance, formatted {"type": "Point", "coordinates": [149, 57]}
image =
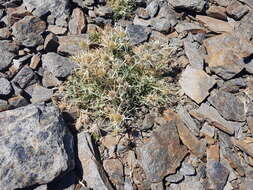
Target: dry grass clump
{"type": "Point", "coordinates": [115, 79]}
{"type": "Point", "coordinates": [122, 9]}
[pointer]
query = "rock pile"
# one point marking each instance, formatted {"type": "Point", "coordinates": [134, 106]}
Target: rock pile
{"type": "Point", "coordinates": [205, 141]}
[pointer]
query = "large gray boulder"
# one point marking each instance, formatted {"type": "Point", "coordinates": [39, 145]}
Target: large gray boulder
{"type": "Point", "coordinates": [35, 146]}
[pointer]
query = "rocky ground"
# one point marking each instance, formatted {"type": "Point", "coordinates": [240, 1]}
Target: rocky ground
{"type": "Point", "coordinates": [203, 141]}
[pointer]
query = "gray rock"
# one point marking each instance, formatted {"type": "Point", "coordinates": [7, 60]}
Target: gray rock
{"type": "Point", "coordinates": [157, 186]}
{"type": "Point", "coordinates": [58, 65]}
{"type": "Point", "coordinates": [163, 153]}
{"type": "Point", "coordinates": [7, 52]}
{"type": "Point", "coordinates": [35, 142]}
{"type": "Point", "coordinates": [237, 10]}
{"type": "Point", "coordinates": [188, 27]}
{"type": "Point", "coordinates": [244, 28]}
{"type": "Point", "coordinates": [41, 187]}
{"type": "Point", "coordinates": [77, 23]}
{"type": "Point", "coordinates": [187, 169]}
{"type": "Point", "coordinates": [17, 101]}
{"type": "Point", "coordinates": [174, 178]}
{"type": "Point", "coordinates": [41, 94]}
{"type": "Point", "coordinates": [191, 182]}
{"type": "Point", "coordinates": [201, 81]}
{"type": "Point", "coordinates": [228, 105]}
{"type": "Point", "coordinates": [39, 8]}
{"type": "Point", "coordinates": [152, 8]}
{"type": "Point", "coordinates": [93, 172]}
{"type": "Point", "coordinates": [49, 80]}
{"type": "Point", "coordinates": [193, 5]}
{"type": "Point", "coordinates": [5, 87]}
{"type": "Point", "coordinates": [3, 105]}
{"type": "Point", "coordinates": [137, 34]}
{"type": "Point", "coordinates": [104, 11]}
{"type": "Point", "coordinates": [28, 30]}
{"type": "Point", "coordinates": [24, 77]}
{"type": "Point", "coordinates": [84, 3]}
{"type": "Point", "coordinates": [217, 174]}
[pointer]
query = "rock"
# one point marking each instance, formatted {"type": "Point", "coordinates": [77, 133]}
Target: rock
{"type": "Point", "coordinates": [41, 8]}
{"type": "Point", "coordinates": [196, 146]}
{"type": "Point", "coordinates": [207, 130]}
{"type": "Point", "coordinates": [7, 51]}
{"type": "Point", "coordinates": [104, 11]}
{"type": "Point", "coordinates": [188, 121]}
{"type": "Point", "coordinates": [226, 54]}
{"type": "Point", "coordinates": [41, 94]}
{"type": "Point", "coordinates": [58, 30]}
{"type": "Point", "coordinates": [137, 34]}
{"type": "Point", "coordinates": [17, 101]}
{"type": "Point", "coordinates": [77, 22]}
{"type": "Point", "coordinates": [5, 33]}
{"type": "Point", "coordinates": [24, 77]}
{"type": "Point", "coordinates": [3, 105]}
{"type": "Point", "coordinates": [246, 145]}
{"type": "Point", "coordinates": [28, 31]}
{"type": "Point", "coordinates": [71, 45]}
{"type": "Point", "coordinates": [217, 12]}
{"type": "Point", "coordinates": [175, 178]}
{"type": "Point", "coordinates": [195, 53]}
{"type": "Point", "coordinates": [192, 5]}
{"type": "Point", "coordinates": [244, 28]}
{"type": "Point", "coordinates": [200, 80]}
{"type": "Point", "coordinates": [191, 182]}
{"type": "Point", "coordinates": [223, 3]}
{"type": "Point", "coordinates": [85, 3]}
{"type": "Point", "coordinates": [51, 43]}
{"type": "Point", "coordinates": [58, 65]}
{"type": "Point", "coordinates": [248, 2]}
{"type": "Point", "coordinates": [209, 114]}
{"type": "Point", "coordinates": [35, 61]}
{"type": "Point", "coordinates": [34, 141]}
{"type": "Point", "coordinates": [188, 27]}
{"type": "Point", "coordinates": [114, 169]}
{"type": "Point", "coordinates": [250, 116]}
{"type": "Point", "coordinates": [148, 121]}
{"type": "Point", "coordinates": [236, 10]}
{"type": "Point", "coordinates": [157, 186]}
{"type": "Point", "coordinates": [5, 87]}
{"type": "Point", "coordinates": [41, 187]}
{"type": "Point", "coordinates": [138, 21]}
{"type": "Point", "coordinates": [142, 13]}
{"type": "Point", "coordinates": [187, 169]}
{"type": "Point", "coordinates": [49, 80]}
{"type": "Point", "coordinates": [152, 8]}
{"type": "Point", "coordinates": [228, 105]}
{"type": "Point", "coordinates": [215, 25]}
{"type": "Point", "coordinates": [163, 153]}
{"type": "Point", "coordinates": [93, 172]}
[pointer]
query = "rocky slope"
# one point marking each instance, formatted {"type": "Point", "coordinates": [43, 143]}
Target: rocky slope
{"type": "Point", "coordinates": [204, 141]}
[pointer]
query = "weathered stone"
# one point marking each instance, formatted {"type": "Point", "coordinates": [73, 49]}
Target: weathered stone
{"type": "Point", "coordinates": [24, 77]}
{"type": "Point", "coordinates": [142, 13]}
{"type": "Point", "coordinates": [152, 8]}
{"type": "Point", "coordinates": [51, 43]}
{"type": "Point", "coordinates": [114, 169]}
{"type": "Point", "coordinates": [207, 130]}
{"type": "Point", "coordinates": [35, 61]}
{"type": "Point", "coordinates": [234, 85]}
{"type": "Point", "coordinates": [71, 45]}
{"type": "Point", "coordinates": [223, 3]}
{"type": "Point", "coordinates": [228, 105]}
{"type": "Point", "coordinates": [58, 30]}
{"type": "Point", "coordinates": [193, 5]}
{"type": "Point", "coordinates": [49, 80]}
{"type": "Point", "coordinates": [3, 105]}
{"type": "Point", "coordinates": [215, 25]}
{"type": "Point", "coordinates": [84, 3]}
{"type": "Point", "coordinates": [77, 22]}
{"type": "Point", "coordinates": [226, 54]}
{"type": "Point", "coordinates": [137, 34]}
{"type": "Point", "coordinates": [104, 11]}
{"type": "Point", "coordinates": [191, 182]}
{"type": "Point", "coordinates": [200, 80]}
{"type": "Point", "coordinates": [187, 169]}
{"type": "Point", "coordinates": [41, 94]}
{"type": "Point", "coordinates": [246, 145]}
{"type": "Point", "coordinates": [244, 28]}
{"type": "Point", "coordinates": [248, 2]}
{"type": "Point", "coordinates": [7, 51]}
{"type": "Point", "coordinates": [5, 87]}
{"type": "Point", "coordinates": [58, 65]}
{"type": "Point", "coordinates": [188, 27]}
{"type": "Point", "coordinates": [40, 8]}
{"type": "Point", "coordinates": [17, 101]}
{"type": "Point", "coordinates": [5, 33]}
{"type": "Point", "coordinates": [209, 114]}
{"type": "Point", "coordinates": [34, 141]}
{"type": "Point", "coordinates": [236, 10]}
{"type": "Point", "coordinates": [195, 53]}
{"type": "Point", "coordinates": [93, 172]}
{"type": "Point", "coordinates": [174, 178]}
{"type": "Point", "coordinates": [28, 31]}
{"type": "Point", "coordinates": [163, 153]}
{"type": "Point", "coordinates": [217, 12]}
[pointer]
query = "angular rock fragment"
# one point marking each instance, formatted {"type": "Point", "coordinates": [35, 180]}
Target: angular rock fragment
{"type": "Point", "coordinates": [7, 51]}
{"type": "Point", "coordinates": [236, 10]}
{"type": "Point", "coordinates": [17, 101]}
{"type": "Point", "coordinates": [174, 178]}
{"type": "Point", "coordinates": [244, 28]}
{"type": "Point", "coordinates": [152, 8]}
{"type": "Point", "coordinates": [209, 114]}
{"type": "Point", "coordinates": [246, 145]}
{"type": "Point", "coordinates": [58, 65]}
{"type": "Point", "coordinates": [228, 105]}
{"type": "Point", "coordinates": [163, 153]}
{"type": "Point", "coordinates": [34, 141]}
{"type": "Point", "coordinates": [24, 77]}
{"type": "Point", "coordinates": [77, 22]}
{"type": "Point", "coordinates": [226, 54]}
{"type": "Point", "coordinates": [5, 87]}
{"type": "Point", "coordinates": [137, 34]}
{"type": "Point", "coordinates": [41, 94]}
{"type": "Point", "coordinates": [28, 31]}
{"type": "Point", "coordinates": [188, 27]}
{"type": "Point", "coordinates": [193, 5]}
{"type": "Point", "coordinates": [93, 172]}
{"type": "Point", "coordinates": [187, 169]}
{"type": "Point", "coordinates": [215, 25]}
{"type": "Point", "coordinates": [198, 79]}
{"type": "Point", "coordinates": [84, 3]}
{"type": "Point", "coordinates": [217, 12]}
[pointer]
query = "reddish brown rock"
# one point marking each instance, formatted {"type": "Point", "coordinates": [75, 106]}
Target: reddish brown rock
{"type": "Point", "coordinates": [217, 12]}
{"type": "Point", "coordinates": [237, 10]}
{"type": "Point", "coordinates": [77, 23]}
{"type": "Point", "coordinates": [246, 145]}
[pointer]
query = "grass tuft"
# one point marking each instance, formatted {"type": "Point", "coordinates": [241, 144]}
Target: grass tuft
{"type": "Point", "coordinates": [115, 79]}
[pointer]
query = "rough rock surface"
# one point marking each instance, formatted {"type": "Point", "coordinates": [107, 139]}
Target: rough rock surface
{"type": "Point", "coordinates": [34, 142]}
